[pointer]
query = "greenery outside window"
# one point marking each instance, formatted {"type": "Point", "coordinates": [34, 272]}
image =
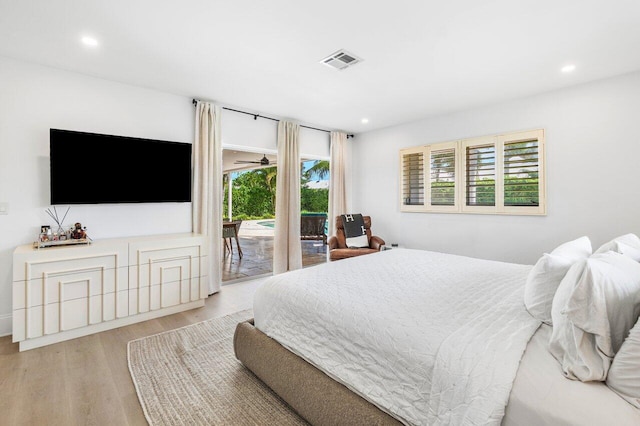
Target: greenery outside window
{"type": "Point", "coordinates": [254, 190]}
{"type": "Point", "coordinates": [481, 175]}
{"type": "Point", "coordinates": [501, 174]}
{"type": "Point", "coordinates": [412, 181]}
{"type": "Point", "coordinates": [443, 177]}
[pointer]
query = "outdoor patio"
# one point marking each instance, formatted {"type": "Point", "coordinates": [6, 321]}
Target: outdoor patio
{"type": "Point", "coordinates": [256, 242]}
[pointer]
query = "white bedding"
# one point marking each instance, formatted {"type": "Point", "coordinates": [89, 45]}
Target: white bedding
{"type": "Point", "coordinates": [430, 338]}
{"type": "Point", "coordinates": [542, 396]}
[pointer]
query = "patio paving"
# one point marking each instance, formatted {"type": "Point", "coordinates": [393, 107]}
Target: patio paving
{"type": "Point", "coordinates": [256, 241]}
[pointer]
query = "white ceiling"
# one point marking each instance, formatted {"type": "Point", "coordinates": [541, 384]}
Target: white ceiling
{"type": "Point", "coordinates": [420, 58]}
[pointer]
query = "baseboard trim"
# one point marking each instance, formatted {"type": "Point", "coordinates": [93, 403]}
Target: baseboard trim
{"type": "Point", "coordinates": [6, 322]}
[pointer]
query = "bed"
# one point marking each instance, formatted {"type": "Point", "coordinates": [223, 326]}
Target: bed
{"type": "Point", "coordinates": [414, 337]}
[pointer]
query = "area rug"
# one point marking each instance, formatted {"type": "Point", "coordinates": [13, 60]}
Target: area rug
{"type": "Point", "coordinates": [190, 376]}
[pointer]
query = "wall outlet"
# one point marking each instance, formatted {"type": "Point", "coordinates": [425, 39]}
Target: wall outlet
{"type": "Point", "coordinates": [4, 208]}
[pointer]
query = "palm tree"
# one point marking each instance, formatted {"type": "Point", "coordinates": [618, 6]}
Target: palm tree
{"type": "Point", "coordinates": [320, 168]}
{"type": "Point", "coordinates": [270, 180]}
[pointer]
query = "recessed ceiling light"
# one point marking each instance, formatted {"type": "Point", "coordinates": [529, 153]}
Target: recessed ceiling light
{"type": "Point", "coordinates": [568, 68]}
{"type": "Point", "coordinates": [365, 120]}
{"type": "Point", "coordinates": [89, 41]}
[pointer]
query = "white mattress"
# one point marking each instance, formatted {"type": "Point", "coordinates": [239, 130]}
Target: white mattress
{"type": "Point", "coordinates": [541, 395]}
{"type": "Point", "coordinates": [428, 337]}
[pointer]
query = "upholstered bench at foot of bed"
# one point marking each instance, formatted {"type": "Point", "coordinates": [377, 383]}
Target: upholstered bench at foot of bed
{"type": "Point", "coordinates": [312, 394]}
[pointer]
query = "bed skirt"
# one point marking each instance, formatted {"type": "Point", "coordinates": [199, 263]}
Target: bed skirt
{"type": "Point", "coordinates": [316, 397]}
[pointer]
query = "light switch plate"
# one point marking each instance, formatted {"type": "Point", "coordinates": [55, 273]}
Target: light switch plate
{"type": "Point", "coordinates": [4, 208]}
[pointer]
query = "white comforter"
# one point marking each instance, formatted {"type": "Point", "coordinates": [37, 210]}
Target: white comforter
{"type": "Point", "coordinates": [430, 338]}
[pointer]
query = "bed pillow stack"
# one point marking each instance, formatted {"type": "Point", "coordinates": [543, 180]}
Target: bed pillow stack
{"type": "Point", "coordinates": [595, 307]}
{"type": "Point", "coordinates": [548, 272]}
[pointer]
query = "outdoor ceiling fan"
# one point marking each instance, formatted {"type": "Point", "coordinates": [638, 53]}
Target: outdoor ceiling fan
{"type": "Point", "coordinates": [264, 161]}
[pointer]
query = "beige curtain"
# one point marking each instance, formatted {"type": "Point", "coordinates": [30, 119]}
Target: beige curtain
{"type": "Point", "coordinates": [287, 251]}
{"type": "Point", "coordinates": [337, 178]}
{"type": "Point", "coordinates": [207, 187]}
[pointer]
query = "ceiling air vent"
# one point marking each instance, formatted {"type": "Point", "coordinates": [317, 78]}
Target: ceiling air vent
{"type": "Point", "coordinates": [341, 60]}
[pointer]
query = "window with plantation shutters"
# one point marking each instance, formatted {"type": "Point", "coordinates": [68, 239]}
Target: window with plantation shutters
{"type": "Point", "coordinates": [412, 180]}
{"type": "Point", "coordinates": [521, 173]}
{"type": "Point", "coordinates": [443, 177]}
{"type": "Point", "coordinates": [481, 175]}
{"type": "Point", "coordinates": [500, 174]}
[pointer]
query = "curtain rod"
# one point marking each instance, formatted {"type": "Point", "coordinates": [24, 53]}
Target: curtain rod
{"type": "Point", "coordinates": [256, 116]}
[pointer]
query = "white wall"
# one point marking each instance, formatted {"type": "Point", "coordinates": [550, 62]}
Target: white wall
{"type": "Point", "coordinates": [242, 132]}
{"type": "Point", "coordinates": [593, 174]}
{"type": "Point", "coordinates": [34, 99]}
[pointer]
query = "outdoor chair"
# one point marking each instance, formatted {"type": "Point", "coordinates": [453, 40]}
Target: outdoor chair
{"type": "Point", "coordinates": [312, 227]}
{"type": "Point", "coordinates": [231, 229]}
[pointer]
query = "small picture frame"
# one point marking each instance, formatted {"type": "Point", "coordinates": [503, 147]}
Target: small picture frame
{"type": "Point", "coordinates": [45, 233]}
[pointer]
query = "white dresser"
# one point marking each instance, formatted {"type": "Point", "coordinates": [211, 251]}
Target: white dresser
{"type": "Point", "coordinates": [60, 293]}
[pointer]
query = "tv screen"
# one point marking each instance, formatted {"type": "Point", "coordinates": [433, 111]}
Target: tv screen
{"type": "Point", "coordinates": [90, 168]}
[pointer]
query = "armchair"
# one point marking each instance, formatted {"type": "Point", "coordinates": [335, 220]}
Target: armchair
{"type": "Point", "coordinates": [338, 247]}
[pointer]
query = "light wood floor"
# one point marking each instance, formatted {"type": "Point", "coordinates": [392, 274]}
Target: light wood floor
{"type": "Point", "coordinates": [86, 381]}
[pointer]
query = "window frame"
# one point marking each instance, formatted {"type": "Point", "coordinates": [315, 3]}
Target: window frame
{"type": "Point", "coordinates": [460, 147]}
{"type": "Point", "coordinates": [541, 208]}
{"type": "Point", "coordinates": [478, 142]}
{"type": "Point", "coordinates": [427, 171]}
{"type": "Point", "coordinates": [411, 207]}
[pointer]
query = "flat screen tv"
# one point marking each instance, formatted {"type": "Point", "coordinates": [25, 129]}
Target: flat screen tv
{"type": "Point", "coordinates": [91, 168]}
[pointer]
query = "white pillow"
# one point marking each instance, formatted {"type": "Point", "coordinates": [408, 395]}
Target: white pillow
{"type": "Point", "coordinates": [627, 250]}
{"type": "Point", "coordinates": [624, 375]}
{"type": "Point", "coordinates": [596, 304]}
{"type": "Point", "coordinates": [360, 241]}
{"type": "Point", "coordinates": [542, 283]}
{"type": "Point", "coordinates": [545, 276]}
{"type": "Point", "coordinates": [577, 249]}
{"type": "Point", "coordinates": [628, 244]}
